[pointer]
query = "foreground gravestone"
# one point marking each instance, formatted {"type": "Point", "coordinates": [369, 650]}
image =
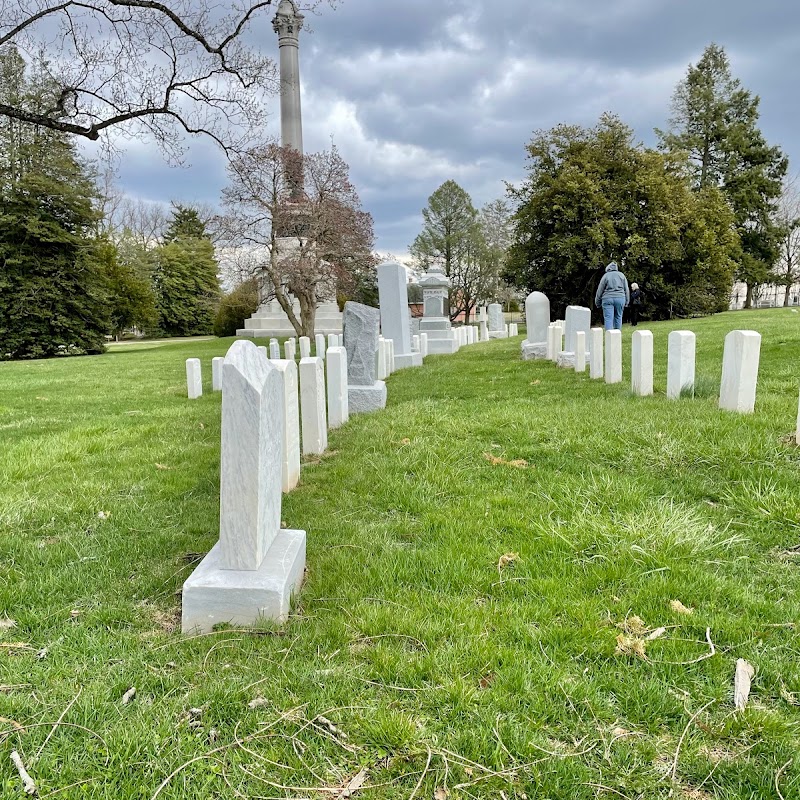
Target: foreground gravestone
{"type": "Point", "coordinates": [613, 366]}
{"type": "Point", "coordinates": [252, 571]}
{"type": "Point", "coordinates": [216, 373]}
{"type": "Point", "coordinates": [537, 322]}
{"type": "Point", "coordinates": [312, 406]}
{"type": "Point", "coordinates": [681, 348]}
{"type": "Point", "coordinates": [194, 378]}
{"type": "Point", "coordinates": [497, 322]}
{"type": "Point", "coordinates": [338, 407]}
{"type": "Point", "coordinates": [642, 363]}
{"type": "Point", "coordinates": [580, 352]}
{"type": "Point", "coordinates": [361, 325]}
{"type": "Point", "coordinates": [395, 317]}
{"type": "Point", "coordinates": [290, 461]}
{"type": "Point", "coordinates": [740, 371]}
{"type": "Point", "coordinates": [596, 353]}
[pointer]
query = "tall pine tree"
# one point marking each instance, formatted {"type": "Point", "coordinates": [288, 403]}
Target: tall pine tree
{"type": "Point", "coordinates": [715, 121]}
{"type": "Point", "coordinates": [52, 287]}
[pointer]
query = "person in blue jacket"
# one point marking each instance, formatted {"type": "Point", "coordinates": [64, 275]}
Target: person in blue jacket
{"type": "Point", "coordinates": [612, 295]}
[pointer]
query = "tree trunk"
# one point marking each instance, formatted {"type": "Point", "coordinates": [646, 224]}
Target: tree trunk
{"type": "Point", "coordinates": [748, 298]}
{"type": "Point", "coordinates": [308, 310]}
{"type": "Point", "coordinates": [786, 295]}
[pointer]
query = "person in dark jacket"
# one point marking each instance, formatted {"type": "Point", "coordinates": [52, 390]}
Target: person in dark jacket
{"type": "Point", "coordinates": [612, 295]}
{"type": "Point", "coordinates": [637, 299]}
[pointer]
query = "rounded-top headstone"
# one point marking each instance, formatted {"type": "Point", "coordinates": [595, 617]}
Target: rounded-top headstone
{"type": "Point", "coordinates": [537, 316]}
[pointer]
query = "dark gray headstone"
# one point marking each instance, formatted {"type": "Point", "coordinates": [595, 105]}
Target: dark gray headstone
{"type": "Point", "coordinates": [361, 327]}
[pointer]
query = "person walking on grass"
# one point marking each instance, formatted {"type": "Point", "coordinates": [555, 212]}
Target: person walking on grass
{"type": "Point", "coordinates": [612, 296]}
{"type": "Point", "coordinates": [636, 303]}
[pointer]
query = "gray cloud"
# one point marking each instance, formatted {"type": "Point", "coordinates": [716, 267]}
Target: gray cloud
{"type": "Point", "coordinates": [414, 93]}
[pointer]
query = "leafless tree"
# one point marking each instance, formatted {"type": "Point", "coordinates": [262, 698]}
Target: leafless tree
{"type": "Point", "coordinates": [787, 270]}
{"type": "Point", "coordinates": [308, 245]}
{"type": "Point", "coordinates": [165, 67]}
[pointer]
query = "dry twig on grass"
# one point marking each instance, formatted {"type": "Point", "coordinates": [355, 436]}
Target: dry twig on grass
{"type": "Point", "coordinates": [28, 785]}
{"type": "Point", "coordinates": [57, 723]}
{"type": "Point", "coordinates": [674, 770]}
{"type": "Point", "coordinates": [741, 683]}
{"type": "Point", "coordinates": [778, 777]}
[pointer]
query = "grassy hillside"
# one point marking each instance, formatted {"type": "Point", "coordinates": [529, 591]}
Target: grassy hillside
{"type": "Point", "coordinates": [491, 562]}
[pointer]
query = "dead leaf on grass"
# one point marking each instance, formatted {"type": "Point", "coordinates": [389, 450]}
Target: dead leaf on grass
{"type": "Point", "coordinates": [631, 646]}
{"type": "Point", "coordinates": [507, 560]}
{"type": "Point", "coordinates": [163, 466]}
{"type": "Point", "coordinates": [13, 723]}
{"type": "Point", "coordinates": [7, 624]}
{"type": "Point", "coordinates": [129, 695]}
{"type": "Point", "coordinates": [656, 634]}
{"type": "Point", "coordinates": [258, 702]}
{"type": "Point", "coordinates": [680, 608]}
{"type": "Point", "coordinates": [103, 514]}
{"type": "Point", "coordinates": [354, 784]}
{"type": "Point", "coordinates": [486, 681]}
{"type": "Point", "coordinates": [42, 398]}
{"type": "Point", "coordinates": [496, 461]}
{"type": "Point", "coordinates": [634, 626]}
{"type": "Point", "coordinates": [14, 646]}
{"type": "Point", "coordinates": [535, 383]}
{"type": "Point", "coordinates": [441, 794]}
{"type": "Point", "coordinates": [405, 441]}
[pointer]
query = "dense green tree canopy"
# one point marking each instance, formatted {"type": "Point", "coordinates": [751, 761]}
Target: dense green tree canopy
{"type": "Point", "coordinates": [53, 297]}
{"type": "Point", "coordinates": [592, 196]}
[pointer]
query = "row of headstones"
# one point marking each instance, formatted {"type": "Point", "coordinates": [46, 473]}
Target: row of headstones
{"type": "Point", "coordinates": [571, 343]}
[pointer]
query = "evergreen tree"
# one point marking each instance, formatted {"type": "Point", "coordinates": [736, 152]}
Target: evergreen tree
{"type": "Point", "coordinates": [592, 196]}
{"type": "Point", "coordinates": [715, 121]}
{"type": "Point", "coordinates": [52, 288]}
{"type": "Point", "coordinates": [185, 277]}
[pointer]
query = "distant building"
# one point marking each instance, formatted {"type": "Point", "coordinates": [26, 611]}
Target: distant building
{"type": "Point", "coordinates": [767, 296]}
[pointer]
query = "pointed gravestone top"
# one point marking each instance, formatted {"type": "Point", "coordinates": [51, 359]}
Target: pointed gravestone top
{"type": "Point", "coordinates": [250, 458]}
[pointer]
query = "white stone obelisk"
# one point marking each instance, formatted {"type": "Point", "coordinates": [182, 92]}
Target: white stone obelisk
{"type": "Point", "coordinates": [287, 23]}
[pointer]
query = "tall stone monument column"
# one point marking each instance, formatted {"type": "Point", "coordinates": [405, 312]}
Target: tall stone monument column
{"type": "Point", "coordinates": [287, 23]}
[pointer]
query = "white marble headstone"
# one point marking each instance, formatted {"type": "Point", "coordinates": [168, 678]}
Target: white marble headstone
{"type": "Point", "coordinates": [305, 347]}
{"type": "Point", "coordinates": [216, 373]}
{"type": "Point", "coordinates": [580, 351]}
{"type": "Point", "coordinates": [680, 363]}
{"type": "Point", "coordinates": [596, 353]}
{"type": "Point", "coordinates": [613, 356]}
{"type": "Point", "coordinates": [642, 363]}
{"type": "Point", "coordinates": [338, 412]}
{"type": "Point", "coordinates": [290, 459]}
{"type": "Point", "coordinates": [319, 349]}
{"type": "Point", "coordinates": [194, 378]}
{"type": "Point", "coordinates": [312, 406]}
{"type": "Point", "coordinates": [740, 371]}
{"type": "Point", "coordinates": [250, 457]}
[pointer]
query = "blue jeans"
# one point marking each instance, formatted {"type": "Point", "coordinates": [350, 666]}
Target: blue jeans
{"type": "Point", "coordinates": [612, 312]}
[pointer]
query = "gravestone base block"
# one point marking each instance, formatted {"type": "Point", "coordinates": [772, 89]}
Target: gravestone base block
{"type": "Point", "coordinates": [532, 351]}
{"type": "Point", "coordinates": [566, 360]}
{"type": "Point", "coordinates": [407, 360]}
{"type": "Point", "coordinates": [498, 334]}
{"type": "Point", "coordinates": [213, 595]}
{"type": "Point", "coordinates": [364, 399]}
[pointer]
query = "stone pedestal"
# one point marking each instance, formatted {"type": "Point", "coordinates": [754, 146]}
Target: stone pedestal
{"type": "Point", "coordinates": [531, 351]}
{"type": "Point", "coordinates": [395, 317]}
{"type": "Point", "coordinates": [363, 399]}
{"type": "Point", "coordinates": [271, 321]}
{"type": "Point", "coordinates": [436, 322]}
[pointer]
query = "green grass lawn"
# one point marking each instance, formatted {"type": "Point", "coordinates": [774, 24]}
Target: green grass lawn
{"type": "Point", "coordinates": [459, 631]}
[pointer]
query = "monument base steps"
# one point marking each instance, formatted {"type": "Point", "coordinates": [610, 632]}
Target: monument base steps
{"type": "Point", "coordinates": [498, 335]}
{"type": "Point", "coordinates": [408, 360]}
{"type": "Point", "coordinates": [533, 351]}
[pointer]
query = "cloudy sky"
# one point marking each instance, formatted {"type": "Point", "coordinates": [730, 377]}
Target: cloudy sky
{"type": "Point", "coordinates": [416, 92]}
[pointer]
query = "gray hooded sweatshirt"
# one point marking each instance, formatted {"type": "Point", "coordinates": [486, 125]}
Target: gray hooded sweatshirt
{"type": "Point", "coordinates": [612, 284]}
